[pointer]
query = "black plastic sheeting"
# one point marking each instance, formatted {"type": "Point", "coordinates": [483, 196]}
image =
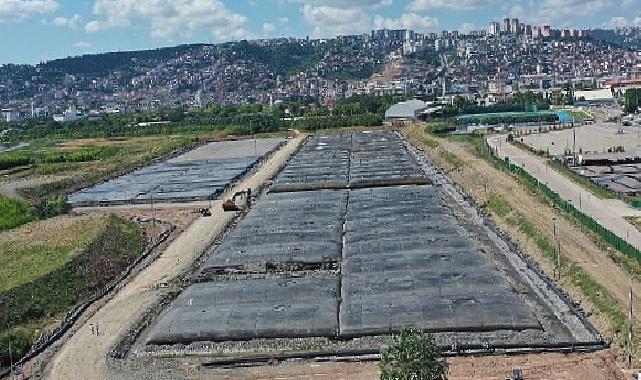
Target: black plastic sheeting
{"type": "Point", "coordinates": [283, 228]}
{"type": "Point", "coordinates": [241, 310]}
{"type": "Point", "coordinates": [426, 273]}
{"type": "Point", "coordinates": [168, 181]}
{"type": "Point", "coordinates": [350, 161]}
{"type": "Point", "coordinates": [404, 259]}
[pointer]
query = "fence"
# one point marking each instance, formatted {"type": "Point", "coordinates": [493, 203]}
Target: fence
{"type": "Point", "coordinates": [585, 220]}
{"type": "Point", "coordinates": [74, 314]}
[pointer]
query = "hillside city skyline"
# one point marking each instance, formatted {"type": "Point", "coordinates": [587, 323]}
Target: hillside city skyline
{"type": "Point", "coordinates": [40, 30]}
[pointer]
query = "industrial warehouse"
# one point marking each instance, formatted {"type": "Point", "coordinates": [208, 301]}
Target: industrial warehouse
{"type": "Point", "coordinates": [380, 252]}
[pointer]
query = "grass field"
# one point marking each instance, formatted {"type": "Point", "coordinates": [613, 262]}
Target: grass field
{"type": "Point", "coordinates": [51, 265]}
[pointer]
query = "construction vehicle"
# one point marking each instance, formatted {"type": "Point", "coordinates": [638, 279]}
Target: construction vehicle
{"type": "Point", "coordinates": [206, 212]}
{"type": "Point", "coordinates": [232, 203]}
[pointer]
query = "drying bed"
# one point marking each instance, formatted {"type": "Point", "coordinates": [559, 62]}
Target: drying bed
{"type": "Point", "coordinates": [192, 176]}
{"type": "Point", "coordinates": [281, 230]}
{"type": "Point", "coordinates": [350, 161]}
{"type": "Point", "coordinates": [426, 273]}
{"type": "Point", "coordinates": [363, 261]}
{"type": "Point", "coordinates": [248, 309]}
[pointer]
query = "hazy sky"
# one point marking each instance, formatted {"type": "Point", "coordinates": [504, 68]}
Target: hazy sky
{"type": "Point", "coordinates": [35, 30]}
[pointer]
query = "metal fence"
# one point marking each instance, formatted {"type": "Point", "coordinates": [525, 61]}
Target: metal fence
{"type": "Point", "coordinates": [585, 220]}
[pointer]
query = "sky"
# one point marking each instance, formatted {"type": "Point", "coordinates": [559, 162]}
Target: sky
{"type": "Point", "coordinates": [37, 30]}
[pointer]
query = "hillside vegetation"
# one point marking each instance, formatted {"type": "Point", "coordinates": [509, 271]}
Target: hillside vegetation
{"type": "Point", "coordinates": [50, 266]}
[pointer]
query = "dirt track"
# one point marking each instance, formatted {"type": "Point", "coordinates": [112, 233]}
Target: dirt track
{"type": "Point", "coordinates": [83, 356]}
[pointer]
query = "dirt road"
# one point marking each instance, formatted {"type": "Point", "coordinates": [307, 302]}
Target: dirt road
{"type": "Point", "coordinates": [83, 356]}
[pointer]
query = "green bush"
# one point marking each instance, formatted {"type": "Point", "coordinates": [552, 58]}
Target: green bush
{"type": "Point", "coordinates": [412, 354]}
{"type": "Point", "coordinates": [13, 213]}
{"type": "Point", "coordinates": [51, 206]}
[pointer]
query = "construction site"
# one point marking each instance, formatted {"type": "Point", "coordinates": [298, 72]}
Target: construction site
{"type": "Point", "coordinates": [356, 237]}
{"type": "Point", "coordinates": [314, 251]}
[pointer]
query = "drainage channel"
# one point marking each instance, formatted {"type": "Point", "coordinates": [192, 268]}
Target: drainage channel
{"type": "Point", "coordinates": [374, 354]}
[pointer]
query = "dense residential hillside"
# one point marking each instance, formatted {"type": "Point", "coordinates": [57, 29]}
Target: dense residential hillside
{"type": "Point", "coordinates": [270, 72]}
{"type": "Point", "coordinates": [229, 73]}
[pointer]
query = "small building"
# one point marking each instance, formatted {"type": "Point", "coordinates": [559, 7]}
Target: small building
{"type": "Point", "coordinates": [602, 96]}
{"type": "Point", "coordinates": [405, 112]}
{"type": "Point", "coordinates": [69, 115]}
{"type": "Point", "coordinates": [9, 115]}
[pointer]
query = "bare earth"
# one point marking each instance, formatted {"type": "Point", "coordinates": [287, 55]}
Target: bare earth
{"type": "Point", "coordinates": [593, 366]}
{"type": "Point", "coordinates": [12, 188]}
{"type": "Point", "coordinates": [574, 243]}
{"type": "Point", "coordinates": [83, 356]}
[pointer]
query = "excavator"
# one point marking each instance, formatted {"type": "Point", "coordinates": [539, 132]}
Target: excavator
{"type": "Point", "coordinates": [232, 204]}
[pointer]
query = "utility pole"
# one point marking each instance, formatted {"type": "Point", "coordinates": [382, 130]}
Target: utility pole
{"type": "Point", "coordinates": [574, 158]}
{"type": "Point", "coordinates": [630, 344]}
{"type": "Point", "coordinates": [10, 353]}
{"type": "Point", "coordinates": [557, 248]}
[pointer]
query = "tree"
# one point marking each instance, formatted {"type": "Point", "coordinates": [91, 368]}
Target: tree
{"type": "Point", "coordinates": [412, 355]}
{"type": "Point", "coordinates": [632, 100]}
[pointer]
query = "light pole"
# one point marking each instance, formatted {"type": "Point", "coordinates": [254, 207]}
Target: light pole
{"type": "Point", "coordinates": [580, 201]}
{"type": "Point", "coordinates": [557, 248]}
{"type": "Point", "coordinates": [630, 346]}
{"type": "Point", "coordinates": [10, 353]}
{"type": "Point", "coordinates": [573, 140]}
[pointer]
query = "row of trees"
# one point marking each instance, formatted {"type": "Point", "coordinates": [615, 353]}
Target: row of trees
{"type": "Point", "coordinates": [517, 102]}
{"type": "Point", "coordinates": [510, 119]}
{"type": "Point", "coordinates": [244, 119]}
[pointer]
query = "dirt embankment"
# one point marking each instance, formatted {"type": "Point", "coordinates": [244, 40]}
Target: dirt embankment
{"type": "Point", "coordinates": [592, 366]}
{"type": "Point", "coordinates": [482, 180]}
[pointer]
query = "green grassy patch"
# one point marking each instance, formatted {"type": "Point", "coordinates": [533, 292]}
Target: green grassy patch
{"type": "Point", "coordinates": [13, 213]}
{"type": "Point", "coordinates": [431, 143]}
{"type": "Point", "coordinates": [598, 295]}
{"type": "Point", "coordinates": [47, 274]}
{"type": "Point", "coordinates": [475, 143]}
{"type": "Point", "coordinates": [451, 159]}
{"type": "Point", "coordinates": [498, 206]}
{"type": "Point", "coordinates": [26, 254]}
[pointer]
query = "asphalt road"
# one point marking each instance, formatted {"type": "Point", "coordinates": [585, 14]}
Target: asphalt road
{"type": "Point", "coordinates": [610, 213]}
